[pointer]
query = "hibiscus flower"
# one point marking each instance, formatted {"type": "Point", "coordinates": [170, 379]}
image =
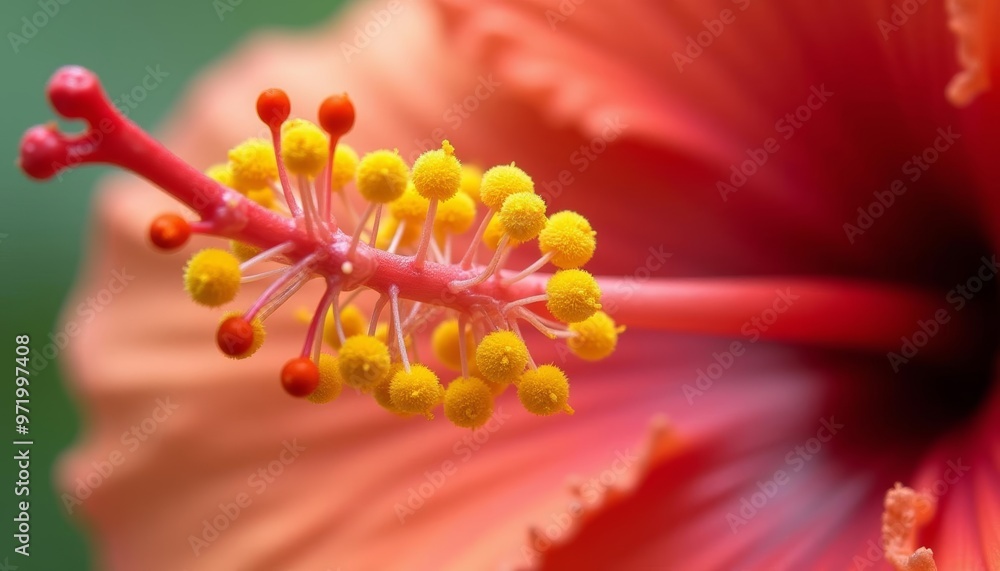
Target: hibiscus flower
{"type": "Point", "coordinates": [810, 185]}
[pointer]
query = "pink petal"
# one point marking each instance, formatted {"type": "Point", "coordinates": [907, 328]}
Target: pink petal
{"type": "Point", "coordinates": [709, 508]}
{"type": "Point", "coordinates": [688, 128]}
{"type": "Point", "coordinates": [963, 474]}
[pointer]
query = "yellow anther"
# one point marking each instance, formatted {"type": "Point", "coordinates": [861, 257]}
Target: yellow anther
{"type": "Point", "coordinates": [259, 334]}
{"type": "Point", "coordinates": [573, 295]}
{"type": "Point", "coordinates": [304, 147]}
{"type": "Point", "coordinates": [569, 238]}
{"type": "Point", "coordinates": [364, 361]}
{"type": "Point", "coordinates": [345, 165]}
{"type": "Point", "coordinates": [468, 402]}
{"type": "Point", "coordinates": [263, 197]}
{"type": "Point", "coordinates": [382, 176]}
{"type": "Point", "coordinates": [596, 337]}
{"type": "Point", "coordinates": [455, 215]}
{"type": "Point", "coordinates": [544, 391]}
{"type": "Point", "coordinates": [501, 356]}
{"type": "Point", "coordinates": [410, 207]}
{"type": "Point", "coordinates": [444, 341]}
{"type": "Point", "coordinates": [252, 165]}
{"type": "Point", "coordinates": [221, 174]}
{"type": "Point", "coordinates": [502, 181]}
{"type": "Point", "coordinates": [381, 391]}
{"type": "Point", "coordinates": [242, 250]}
{"type": "Point", "coordinates": [574, 219]}
{"type": "Point", "coordinates": [523, 215]}
{"type": "Point", "coordinates": [494, 231]}
{"type": "Point", "coordinates": [330, 381]}
{"type": "Point", "coordinates": [416, 392]}
{"type": "Point", "coordinates": [438, 174]}
{"type": "Point", "coordinates": [212, 277]}
{"type": "Point", "coordinates": [352, 321]}
{"type": "Point", "coordinates": [472, 176]}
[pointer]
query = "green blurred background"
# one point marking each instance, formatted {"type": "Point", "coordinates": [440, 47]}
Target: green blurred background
{"type": "Point", "coordinates": [42, 226]}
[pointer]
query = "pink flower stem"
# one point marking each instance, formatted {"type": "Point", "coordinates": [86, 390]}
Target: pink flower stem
{"type": "Point", "coordinates": [286, 185]}
{"type": "Point", "coordinates": [356, 240]}
{"type": "Point", "coordinates": [376, 312]}
{"type": "Point", "coordinates": [517, 331]}
{"type": "Point", "coordinates": [309, 209]}
{"type": "Point", "coordinates": [470, 254]}
{"type": "Point", "coordinates": [394, 308]}
{"type": "Point", "coordinates": [374, 234]}
{"type": "Point", "coordinates": [459, 285]}
{"type": "Point", "coordinates": [332, 290]}
{"type": "Point", "coordinates": [337, 322]}
{"type": "Point", "coordinates": [298, 269]}
{"type": "Point", "coordinates": [463, 350]}
{"type": "Point", "coordinates": [326, 189]}
{"type": "Point", "coordinates": [425, 235]}
{"type": "Point", "coordinates": [534, 267]}
{"type": "Point", "coordinates": [397, 237]}
{"type": "Point", "coordinates": [828, 312]}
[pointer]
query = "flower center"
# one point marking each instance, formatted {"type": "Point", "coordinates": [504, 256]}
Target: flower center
{"type": "Point", "coordinates": [914, 394]}
{"type": "Point", "coordinates": [273, 201]}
